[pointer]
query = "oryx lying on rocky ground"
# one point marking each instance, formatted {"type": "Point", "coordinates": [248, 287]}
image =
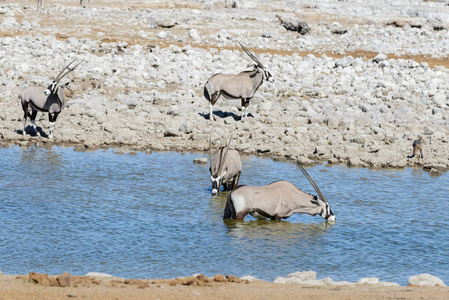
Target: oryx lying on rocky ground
{"type": "Point", "coordinates": [276, 201]}
{"type": "Point", "coordinates": [417, 147]}
{"type": "Point", "coordinates": [241, 86]}
{"type": "Point", "coordinates": [40, 3]}
{"type": "Point", "coordinates": [50, 100]}
{"type": "Point", "coordinates": [225, 169]}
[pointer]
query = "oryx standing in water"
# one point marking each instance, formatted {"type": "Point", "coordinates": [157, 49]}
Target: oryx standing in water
{"type": "Point", "coordinates": [276, 201]}
{"type": "Point", "coordinates": [50, 100]}
{"type": "Point", "coordinates": [241, 86]}
{"type": "Point", "coordinates": [225, 169]}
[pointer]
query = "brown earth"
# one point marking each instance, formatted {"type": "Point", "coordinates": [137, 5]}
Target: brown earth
{"type": "Point", "coordinates": [41, 286]}
{"type": "Point", "coordinates": [112, 34]}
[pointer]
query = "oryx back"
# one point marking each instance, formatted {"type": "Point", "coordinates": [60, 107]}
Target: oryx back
{"type": "Point", "coordinates": [280, 198]}
{"type": "Point", "coordinates": [225, 170]}
{"type": "Point", "coordinates": [231, 166]}
{"type": "Point", "coordinates": [242, 85]}
{"type": "Point", "coordinates": [36, 98]}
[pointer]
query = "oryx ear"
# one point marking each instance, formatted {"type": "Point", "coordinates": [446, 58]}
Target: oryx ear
{"type": "Point", "coordinates": [65, 84]}
{"type": "Point", "coordinates": [314, 200]}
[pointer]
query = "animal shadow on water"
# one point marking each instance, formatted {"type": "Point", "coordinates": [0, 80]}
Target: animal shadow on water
{"type": "Point", "coordinates": [220, 114]}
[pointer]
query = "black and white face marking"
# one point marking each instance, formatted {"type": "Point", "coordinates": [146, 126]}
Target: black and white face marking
{"type": "Point", "coordinates": [215, 180]}
{"type": "Point", "coordinates": [267, 75]}
{"type": "Point", "coordinates": [327, 213]}
{"type": "Point", "coordinates": [51, 89]}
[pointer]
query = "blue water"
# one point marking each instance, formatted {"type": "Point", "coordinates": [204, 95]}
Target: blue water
{"type": "Point", "coordinates": [152, 216]}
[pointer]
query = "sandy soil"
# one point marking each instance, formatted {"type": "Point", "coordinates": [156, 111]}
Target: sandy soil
{"type": "Point", "coordinates": [111, 34]}
{"type": "Point", "coordinates": [83, 287]}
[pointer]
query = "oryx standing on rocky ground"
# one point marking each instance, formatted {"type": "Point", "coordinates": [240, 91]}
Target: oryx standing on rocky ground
{"type": "Point", "coordinates": [241, 86]}
{"type": "Point", "coordinates": [276, 201]}
{"type": "Point", "coordinates": [40, 3]}
{"type": "Point", "coordinates": [50, 100]}
{"type": "Point", "coordinates": [225, 169]}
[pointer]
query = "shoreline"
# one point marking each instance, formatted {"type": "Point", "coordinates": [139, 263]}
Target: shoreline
{"type": "Point", "coordinates": [131, 149]}
{"type": "Point", "coordinates": [99, 286]}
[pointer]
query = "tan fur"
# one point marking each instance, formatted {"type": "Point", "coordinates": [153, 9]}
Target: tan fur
{"type": "Point", "coordinates": [417, 147]}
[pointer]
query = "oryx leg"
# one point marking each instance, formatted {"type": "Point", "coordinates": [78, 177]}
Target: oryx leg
{"type": "Point", "coordinates": [52, 121]}
{"type": "Point", "coordinates": [241, 215]}
{"type": "Point", "coordinates": [245, 103]}
{"type": "Point", "coordinates": [25, 115]}
{"type": "Point", "coordinates": [214, 98]}
{"type": "Point", "coordinates": [235, 183]}
{"type": "Point", "coordinates": [33, 120]}
{"type": "Point", "coordinates": [276, 217]}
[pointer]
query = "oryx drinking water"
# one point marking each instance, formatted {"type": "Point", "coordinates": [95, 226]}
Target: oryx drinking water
{"type": "Point", "coordinates": [50, 100]}
{"type": "Point", "coordinates": [276, 201]}
{"type": "Point", "coordinates": [241, 86]}
{"type": "Point", "coordinates": [225, 170]}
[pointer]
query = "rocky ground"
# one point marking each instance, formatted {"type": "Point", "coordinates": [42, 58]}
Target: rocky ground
{"type": "Point", "coordinates": [354, 84]}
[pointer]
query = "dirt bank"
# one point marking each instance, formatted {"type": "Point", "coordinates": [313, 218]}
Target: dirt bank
{"type": "Point", "coordinates": [84, 287]}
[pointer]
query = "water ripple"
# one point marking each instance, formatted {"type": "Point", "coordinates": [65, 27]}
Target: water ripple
{"type": "Point", "coordinates": [153, 216]}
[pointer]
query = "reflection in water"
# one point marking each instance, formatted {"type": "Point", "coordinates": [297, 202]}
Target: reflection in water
{"type": "Point", "coordinates": [218, 203]}
{"type": "Point", "coordinates": [277, 232]}
{"type": "Point", "coordinates": [40, 161]}
{"type": "Point", "coordinates": [152, 216]}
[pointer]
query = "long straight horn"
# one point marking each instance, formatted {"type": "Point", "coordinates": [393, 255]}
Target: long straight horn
{"type": "Point", "coordinates": [311, 181]}
{"type": "Point", "coordinates": [210, 155]}
{"type": "Point", "coordinates": [253, 57]}
{"type": "Point", "coordinates": [61, 75]}
{"type": "Point", "coordinates": [224, 156]}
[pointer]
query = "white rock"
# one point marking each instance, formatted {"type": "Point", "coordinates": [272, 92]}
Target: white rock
{"type": "Point", "coordinates": [303, 276]}
{"type": "Point", "coordinates": [380, 57]}
{"type": "Point", "coordinates": [96, 274]}
{"type": "Point", "coordinates": [387, 283]}
{"type": "Point", "coordinates": [162, 34]}
{"type": "Point", "coordinates": [281, 280]}
{"type": "Point", "coordinates": [369, 280]}
{"type": "Point", "coordinates": [193, 33]}
{"type": "Point", "coordinates": [249, 278]}
{"type": "Point", "coordinates": [425, 279]}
